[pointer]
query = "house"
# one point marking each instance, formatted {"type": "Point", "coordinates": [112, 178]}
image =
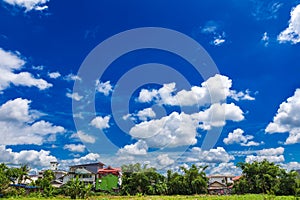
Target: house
{"type": "Point", "coordinates": [109, 179]}
{"type": "Point", "coordinates": [220, 184]}
{"type": "Point", "coordinates": [59, 174]}
{"type": "Point", "coordinates": [87, 173]}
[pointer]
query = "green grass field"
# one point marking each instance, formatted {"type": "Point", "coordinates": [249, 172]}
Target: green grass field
{"type": "Point", "coordinates": [195, 197]}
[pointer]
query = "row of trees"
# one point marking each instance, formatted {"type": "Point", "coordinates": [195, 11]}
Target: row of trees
{"type": "Point", "coordinates": [138, 180]}
{"type": "Point", "coordinates": [257, 177]}
{"type": "Point", "coordinates": [267, 178]}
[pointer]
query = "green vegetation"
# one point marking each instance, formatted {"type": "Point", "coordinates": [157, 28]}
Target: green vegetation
{"type": "Point", "coordinates": [260, 180]}
{"type": "Point", "coordinates": [267, 178]}
{"type": "Point", "coordinates": [177, 197]}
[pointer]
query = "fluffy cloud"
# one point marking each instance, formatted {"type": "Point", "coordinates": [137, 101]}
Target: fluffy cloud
{"type": "Point", "coordinates": [218, 155]}
{"type": "Point", "coordinates": [19, 125]}
{"type": "Point", "coordinates": [292, 32]}
{"type": "Point", "coordinates": [217, 115]}
{"type": "Point", "coordinates": [218, 41]}
{"type": "Point", "coordinates": [213, 29]}
{"type": "Point", "coordinates": [146, 114]}
{"type": "Point", "coordinates": [34, 158]}
{"type": "Point", "coordinates": [241, 95]}
{"type": "Point", "coordinates": [291, 166]}
{"type": "Point", "coordinates": [101, 122]}
{"type": "Point", "coordinates": [214, 90]}
{"type": "Point", "coordinates": [271, 152]}
{"type": "Point", "coordinates": [171, 131]}
{"type": "Point", "coordinates": [181, 129]}
{"type": "Point", "coordinates": [72, 77]}
{"type": "Point", "coordinates": [84, 137]}
{"type": "Point", "coordinates": [138, 148]}
{"type": "Point", "coordinates": [75, 147]}
{"type": "Point", "coordinates": [9, 63]}
{"type": "Point", "coordinates": [54, 75]}
{"type": "Point", "coordinates": [222, 168]}
{"type": "Point", "coordinates": [164, 160]}
{"type": "Point", "coordinates": [104, 88]}
{"type": "Point", "coordinates": [287, 119]}
{"type": "Point", "coordinates": [29, 4]}
{"type": "Point", "coordinates": [272, 155]}
{"type": "Point", "coordinates": [91, 157]}
{"type": "Point", "coordinates": [75, 96]}
{"type": "Point", "coordinates": [237, 137]}
{"type": "Point", "coordinates": [142, 115]}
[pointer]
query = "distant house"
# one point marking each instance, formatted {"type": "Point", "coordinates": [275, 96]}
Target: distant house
{"type": "Point", "coordinates": [87, 173]}
{"type": "Point", "coordinates": [109, 179]}
{"type": "Point", "coordinates": [219, 184]}
{"type": "Point", "coordinates": [59, 174]}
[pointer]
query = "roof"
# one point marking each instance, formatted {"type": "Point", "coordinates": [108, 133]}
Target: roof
{"type": "Point", "coordinates": [109, 169]}
{"type": "Point", "coordinates": [89, 164]}
{"type": "Point", "coordinates": [236, 178]}
{"type": "Point", "coordinates": [82, 171]}
{"type": "Point", "coordinates": [216, 185]}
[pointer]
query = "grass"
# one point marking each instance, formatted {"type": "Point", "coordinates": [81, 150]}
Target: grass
{"type": "Point", "coordinates": [194, 197]}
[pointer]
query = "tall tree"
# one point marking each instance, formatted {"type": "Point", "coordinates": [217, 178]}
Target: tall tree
{"type": "Point", "coordinates": [265, 177]}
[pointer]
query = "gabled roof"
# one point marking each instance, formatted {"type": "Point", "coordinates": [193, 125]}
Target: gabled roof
{"type": "Point", "coordinates": [216, 185]}
{"type": "Point", "coordinates": [82, 171]}
{"type": "Point", "coordinates": [109, 169]}
{"type": "Point", "coordinates": [236, 178]}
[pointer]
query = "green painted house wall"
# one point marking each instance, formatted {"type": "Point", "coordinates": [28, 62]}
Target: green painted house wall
{"type": "Point", "coordinates": [107, 183]}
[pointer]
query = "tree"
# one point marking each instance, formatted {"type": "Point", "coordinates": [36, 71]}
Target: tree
{"type": "Point", "coordinates": [140, 179]}
{"type": "Point", "coordinates": [4, 180]}
{"type": "Point", "coordinates": [191, 181]}
{"type": "Point", "coordinates": [265, 177]}
{"type": "Point", "coordinates": [77, 189]}
{"type": "Point", "coordinates": [45, 183]}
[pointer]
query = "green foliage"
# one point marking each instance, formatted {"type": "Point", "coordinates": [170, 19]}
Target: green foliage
{"type": "Point", "coordinates": [143, 180]}
{"type": "Point", "coordinates": [4, 179]}
{"type": "Point", "coordinates": [267, 178]}
{"type": "Point", "coordinates": [77, 189]}
{"type": "Point", "coordinates": [191, 181]}
{"type": "Point", "coordinates": [45, 183]}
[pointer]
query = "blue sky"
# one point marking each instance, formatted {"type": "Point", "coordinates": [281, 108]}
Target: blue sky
{"type": "Point", "coordinates": [56, 105]}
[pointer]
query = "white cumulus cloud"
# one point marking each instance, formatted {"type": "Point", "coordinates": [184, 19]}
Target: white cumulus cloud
{"type": "Point", "coordinates": [29, 4]}
{"type": "Point", "coordinates": [75, 96]}
{"type": "Point", "coordinates": [292, 32]}
{"type": "Point", "coordinates": [138, 148]}
{"type": "Point", "coordinates": [75, 147]}
{"type": "Point", "coordinates": [101, 122]}
{"type": "Point", "coordinates": [11, 62]}
{"type": "Point", "coordinates": [272, 155]}
{"type": "Point", "coordinates": [104, 88]}
{"type": "Point", "coordinates": [20, 124]}
{"type": "Point", "coordinates": [287, 119]}
{"type": "Point", "coordinates": [213, 90]}
{"type": "Point", "coordinates": [54, 75]}
{"type": "Point", "coordinates": [238, 137]}
{"type": "Point", "coordinates": [34, 158]}
{"type": "Point", "coordinates": [217, 155]}
{"type": "Point", "coordinates": [84, 137]}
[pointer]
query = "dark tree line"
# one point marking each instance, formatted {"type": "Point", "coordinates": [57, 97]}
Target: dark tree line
{"type": "Point", "coordinates": [267, 178]}
{"type": "Point", "coordinates": [257, 177]}
{"type": "Point", "coordinates": [138, 180]}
